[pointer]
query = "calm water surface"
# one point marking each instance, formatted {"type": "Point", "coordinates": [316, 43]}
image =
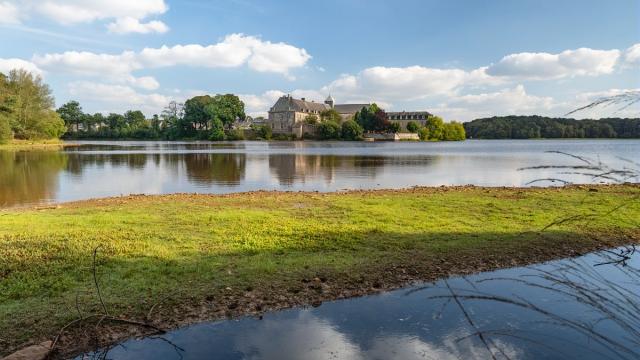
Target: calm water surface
{"type": "Point", "coordinates": [100, 169]}
{"type": "Point", "coordinates": [568, 309]}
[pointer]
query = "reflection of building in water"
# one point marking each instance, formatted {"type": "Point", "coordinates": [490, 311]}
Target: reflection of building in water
{"type": "Point", "coordinates": [292, 168]}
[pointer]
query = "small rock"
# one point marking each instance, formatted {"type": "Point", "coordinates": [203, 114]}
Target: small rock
{"type": "Point", "coordinates": [34, 352]}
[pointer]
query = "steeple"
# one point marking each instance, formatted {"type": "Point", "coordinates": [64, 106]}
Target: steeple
{"type": "Point", "coordinates": [329, 101]}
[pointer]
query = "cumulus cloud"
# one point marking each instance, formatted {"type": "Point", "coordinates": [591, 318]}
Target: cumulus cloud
{"type": "Point", "coordinates": [569, 63]}
{"type": "Point", "coordinates": [126, 15]}
{"type": "Point", "coordinates": [131, 25]}
{"type": "Point", "coordinates": [7, 65]}
{"type": "Point", "coordinates": [77, 11]}
{"type": "Point", "coordinates": [632, 55]}
{"type": "Point", "coordinates": [118, 97]}
{"type": "Point", "coordinates": [9, 13]}
{"type": "Point", "coordinates": [234, 51]}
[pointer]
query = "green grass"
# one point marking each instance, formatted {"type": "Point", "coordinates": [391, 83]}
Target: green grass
{"type": "Point", "coordinates": [191, 247]}
{"type": "Point", "coordinates": [32, 144]}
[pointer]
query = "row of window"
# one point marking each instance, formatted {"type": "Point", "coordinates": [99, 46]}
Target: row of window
{"type": "Point", "coordinates": [408, 117]}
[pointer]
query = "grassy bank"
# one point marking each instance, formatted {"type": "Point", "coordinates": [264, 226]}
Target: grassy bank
{"type": "Point", "coordinates": [194, 257]}
{"type": "Point", "coordinates": [33, 144]}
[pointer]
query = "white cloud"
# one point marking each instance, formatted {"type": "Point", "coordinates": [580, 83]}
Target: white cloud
{"type": "Point", "coordinates": [9, 13]}
{"type": "Point", "coordinates": [79, 11]}
{"type": "Point", "coordinates": [118, 97]}
{"type": "Point", "coordinates": [7, 65]}
{"type": "Point", "coordinates": [126, 15]}
{"type": "Point", "coordinates": [144, 82]}
{"type": "Point", "coordinates": [632, 55]}
{"type": "Point", "coordinates": [89, 64]}
{"type": "Point", "coordinates": [131, 25]}
{"type": "Point", "coordinates": [569, 63]}
{"type": "Point", "coordinates": [234, 51]}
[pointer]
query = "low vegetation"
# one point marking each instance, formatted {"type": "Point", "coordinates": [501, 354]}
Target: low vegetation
{"type": "Point", "coordinates": [196, 257]}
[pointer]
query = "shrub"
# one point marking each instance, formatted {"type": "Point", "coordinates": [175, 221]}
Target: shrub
{"type": "Point", "coordinates": [263, 132]}
{"type": "Point", "coordinates": [413, 127]}
{"type": "Point", "coordinates": [311, 119]}
{"type": "Point", "coordinates": [351, 130]}
{"type": "Point", "coordinates": [393, 127]}
{"type": "Point", "coordinates": [328, 130]}
{"type": "Point", "coordinates": [234, 134]}
{"type": "Point", "coordinates": [423, 133]}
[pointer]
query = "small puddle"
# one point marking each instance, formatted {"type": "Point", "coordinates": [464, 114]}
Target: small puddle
{"type": "Point", "coordinates": [582, 308]}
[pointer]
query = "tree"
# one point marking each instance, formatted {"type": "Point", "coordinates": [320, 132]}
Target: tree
{"type": "Point", "coordinates": [453, 131]}
{"type": "Point", "coordinates": [331, 115]}
{"type": "Point", "coordinates": [328, 130]}
{"type": "Point", "coordinates": [423, 134]}
{"type": "Point", "coordinates": [351, 130]}
{"type": "Point", "coordinates": [28, 104]}
{"type": "Point", "coordinates": [413, 127]}
{"type": "Point", "coordinates": [393, 127]}
{"type": "Point", "coordinates": [198, 111]}
{"type": "Point", "coordinates": [72, 115]}
{"type": "Point", "coordinates": [217, 130]}
{"type": "Point", "coordinates": [435, 127]}
{"type": "Point", "coordinates": [226, 108]}
{"type": "Point", "coordinates": [311, 119]}
{"type": "Point", "coordinates": [262, 131]}
{"type": "Point", "coordinates": [5, 129]}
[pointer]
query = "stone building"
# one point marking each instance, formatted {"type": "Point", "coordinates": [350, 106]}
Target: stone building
{"type": "Point", "coordinates": [287, 115]}
{"type": "Point", "coordinates": [404, 117]}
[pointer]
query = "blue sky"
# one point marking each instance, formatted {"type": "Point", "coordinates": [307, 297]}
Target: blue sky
{"type": "Point", "coordinates": [459, 59]}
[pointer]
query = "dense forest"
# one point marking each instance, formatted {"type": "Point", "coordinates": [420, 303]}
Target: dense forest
{"type": "Point", "coordinates": [26, 108]}
{"type": "Point", "coordinates": [534, 127]}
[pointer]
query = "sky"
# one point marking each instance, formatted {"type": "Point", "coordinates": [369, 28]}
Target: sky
{"type": "Point", "coordinates": [457, 59]}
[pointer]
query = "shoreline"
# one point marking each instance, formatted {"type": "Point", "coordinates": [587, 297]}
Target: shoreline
{"type": "Point", "coordinates": [308, 260]}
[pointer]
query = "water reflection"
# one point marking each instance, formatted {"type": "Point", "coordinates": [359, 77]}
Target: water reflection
{"type": "Point", "coordinates": [584, 308]}
{"type": "Point", "coordinates": [29, 177]}
{"type": "Point", "coordinates": [99, 169]}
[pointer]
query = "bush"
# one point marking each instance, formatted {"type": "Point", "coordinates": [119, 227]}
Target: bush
{"type": "Point", "coordinates": [351, 130]}
{"type": "Point", "coordinates": [328, 130]}
{"type": "Point", "coordinates": [393, 127]}
{"type": "Point", "coordinates": [413, 127]}
{"type": "Point", "coordinates": [311, 119]}
{"type": "Point", "coordinates": [423, 133]}
{"type": "Point", "coordinates": [235, 134]}
{"type": "Point", "coordinates": [262, 132]}
{"type": "Point", "coordinates": [435, 125]}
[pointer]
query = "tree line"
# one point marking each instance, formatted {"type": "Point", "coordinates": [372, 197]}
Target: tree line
{"type": "Point", "coordinates": [535, 127]}
{"type": "Point", "coordinates": [26, 108]}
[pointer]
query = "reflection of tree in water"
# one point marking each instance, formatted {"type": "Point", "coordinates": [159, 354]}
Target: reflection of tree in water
{"type": "Point", "coordinates": [292, 168]}
{"type": "Point", "coordinates": [78, 162]}
{"type": "Point", "coordinates": [30, 176]}
{"type": "Point", "coordinates": [226, 169]}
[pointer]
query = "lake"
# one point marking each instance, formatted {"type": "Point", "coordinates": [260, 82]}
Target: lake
{"type": "Point", "coordinates": [583, 308]}
{"type": "Point", "coordinates": [100, 169]}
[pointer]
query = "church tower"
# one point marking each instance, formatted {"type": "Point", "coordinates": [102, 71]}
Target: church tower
{"type": "Point", "coordinates": [329, 101]}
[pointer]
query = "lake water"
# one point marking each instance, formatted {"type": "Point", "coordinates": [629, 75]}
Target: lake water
{"type": "Point", "coordinates": [569, 309]}
{"type": "Point", "coordinates": [100, 169]}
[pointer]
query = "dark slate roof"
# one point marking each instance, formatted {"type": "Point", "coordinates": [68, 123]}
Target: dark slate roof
{"type": "Point", "coordinates": [287, 103]}
{"type": "Point", "coordinates": [408, 115]}
{"type": "Point", "coordinates": [349, 108]}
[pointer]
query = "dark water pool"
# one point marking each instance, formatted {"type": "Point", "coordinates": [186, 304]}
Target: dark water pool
{"type": "Point", "coordinates": [583, 308]}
